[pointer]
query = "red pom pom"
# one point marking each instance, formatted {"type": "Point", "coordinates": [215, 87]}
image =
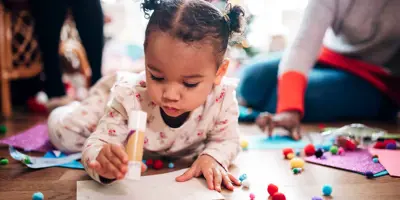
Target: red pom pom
{"type": "Point", "coordinates": [386, 142]}
{"type": "Point", "coordinates": [309, 150]}
{"type": "Point", "coordinates": [278, 196]}
{"type": "Point", "coordinates": [350, 145]}
{"type": "Point", "coordinates": [321, 126]}
{"type": "Point", "coordinates": [149, 162]}
{"type": "Point", "coordinates": [272, 189]}
{"type": "Point", "coordinates": [158, 164]}
{"type": "Point", "coordinates": [379, 145]}
{"type": "Point", "coordinates": [286, 151]}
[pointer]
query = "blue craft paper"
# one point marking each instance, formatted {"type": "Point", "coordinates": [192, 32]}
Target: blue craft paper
{"type": "Point", "coordinates": [274, 142]}
{"type": "Point", "coordinates": [74, 164]}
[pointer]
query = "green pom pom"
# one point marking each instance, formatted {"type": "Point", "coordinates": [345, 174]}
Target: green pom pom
{"type": "Point", "coordinates": [4, 161]}
{"type": "Point", "coordinates": [27, 160]}
{"type": "Point", "coordinates": [3, 129]}
{"type": "Point", "coordinates": [334, 149]}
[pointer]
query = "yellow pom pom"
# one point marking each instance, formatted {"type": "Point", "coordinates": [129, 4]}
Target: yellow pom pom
{"type": "Point", "coordinates": [290, 156]}
{"type": "Point", "coordinates": [244, 144]}
{"type": "Point", "coordinates": [297, 163]}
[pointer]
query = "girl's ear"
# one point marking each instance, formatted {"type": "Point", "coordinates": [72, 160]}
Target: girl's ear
{"type": "Point", "coordinates": [223, 68]}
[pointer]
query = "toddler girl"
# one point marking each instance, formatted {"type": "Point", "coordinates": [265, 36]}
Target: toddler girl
{"type": "Point", "coordinates": [190, 105]}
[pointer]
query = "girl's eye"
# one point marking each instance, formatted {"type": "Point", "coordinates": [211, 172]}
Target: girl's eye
{"type": "Point", "coordinates": [159, 79]}
{"type": "Point", "coordinates": [190, 85]}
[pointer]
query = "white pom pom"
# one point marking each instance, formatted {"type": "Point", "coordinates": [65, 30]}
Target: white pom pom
{"type": "Point", "coordinates": [246, 183]}
{"type": "Point", "coordinates": [41, 97]}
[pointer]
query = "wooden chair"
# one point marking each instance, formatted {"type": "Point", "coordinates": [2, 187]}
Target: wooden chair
{"type": "Point", "coordinates": [19, 52]}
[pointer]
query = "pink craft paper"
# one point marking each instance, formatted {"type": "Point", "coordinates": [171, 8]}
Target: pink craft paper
{"type": "Point", "coordinates": [390, 159]}
{"type": "Point", "coordinates": [359, 161]}
{"type": "Point", "coordinates": [34, 139]}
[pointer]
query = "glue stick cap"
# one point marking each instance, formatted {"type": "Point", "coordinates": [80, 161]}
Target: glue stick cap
{"type": "Point", "coordinates": [137, 120]}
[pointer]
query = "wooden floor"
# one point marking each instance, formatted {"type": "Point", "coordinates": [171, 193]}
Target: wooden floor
{"type": "Point", "coordinates": [262, 168]}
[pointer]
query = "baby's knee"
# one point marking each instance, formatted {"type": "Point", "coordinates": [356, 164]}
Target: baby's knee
{"type": "Point", "coordinates": [62, 136]}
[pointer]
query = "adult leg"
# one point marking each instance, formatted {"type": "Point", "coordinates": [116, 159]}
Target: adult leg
{"type": "Point", "coordinates": [334, 95]}
{"type": "Point", "coordinates": [89, 19]}
{"type": "Point", "coordinates": [49, 18]}
{"type": "Point", "coordinates": [257, 84]}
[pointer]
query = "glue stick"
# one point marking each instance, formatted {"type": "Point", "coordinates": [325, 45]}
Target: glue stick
{"type": "Point", "coordinates": [134, 145]}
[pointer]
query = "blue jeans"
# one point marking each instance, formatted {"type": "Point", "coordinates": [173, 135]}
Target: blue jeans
{"type": "Point", "coordinates": [331, 94]}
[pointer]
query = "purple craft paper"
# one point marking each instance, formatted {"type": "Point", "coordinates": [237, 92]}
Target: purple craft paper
{"type": "Point", "coordinates": [358, 161]}
{"type": "Point", "coordinates": [35, 138]}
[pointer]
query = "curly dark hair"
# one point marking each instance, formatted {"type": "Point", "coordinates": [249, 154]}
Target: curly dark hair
{"type": "Point", "coordinates": [194, 21]}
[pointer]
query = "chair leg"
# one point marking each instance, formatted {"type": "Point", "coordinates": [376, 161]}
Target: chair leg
{"type": "Point", "coordinates": [5, 98]}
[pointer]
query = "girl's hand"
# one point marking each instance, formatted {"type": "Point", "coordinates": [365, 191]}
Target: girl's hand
{"type": "Point", "coordinates": [289, 120]}
{"type": "Point", "coordinates": [112, 162]}
{"type": "Point", "coordinates": [214, 173]}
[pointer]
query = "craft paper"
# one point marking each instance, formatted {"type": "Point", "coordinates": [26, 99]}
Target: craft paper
{"type": "Point", "coordinates": [358, 161]}
{"type": "Point", "coordinates": [57, 154]}
{"type": "Point", "coordinates": [274, 142]}
{"type": "Point", "coordinates": [38, 162]}
{"type": "Point", "coordinates": [33, 139]}
{"type": "Point", "coordinates": [390, 159]}
{"type": "Point", "coordinates": [153, 187]}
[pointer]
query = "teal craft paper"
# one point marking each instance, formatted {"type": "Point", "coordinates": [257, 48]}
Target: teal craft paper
{"type": "Point", "coordinates": [274, 142]}
{"type": "Point", "coordinates": [74, 164]}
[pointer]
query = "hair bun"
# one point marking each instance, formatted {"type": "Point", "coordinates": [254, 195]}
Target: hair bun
{"type": "Point", "coordinates": [236, 18]}
{"type": "Point", "coordinates": [150, 5]}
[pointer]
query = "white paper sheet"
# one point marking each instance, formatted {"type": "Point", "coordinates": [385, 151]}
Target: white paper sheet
{"type": "Point", "coordinates": [154, 187]}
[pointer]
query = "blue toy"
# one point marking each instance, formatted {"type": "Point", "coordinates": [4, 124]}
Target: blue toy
{"type": "Point", "coordinates": [37, 196]}
{"type": "Point", "coordinates": [171, 165]}
{"type": "Point", "coordinates": [327, 190]}
{"type": "Point", "coordinates": [375, 160]}
{"type": "Point", "coordinates": [242, 177]}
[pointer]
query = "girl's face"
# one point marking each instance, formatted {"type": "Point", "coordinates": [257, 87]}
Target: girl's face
{"type": "Point", "coordinates": [179, 76]}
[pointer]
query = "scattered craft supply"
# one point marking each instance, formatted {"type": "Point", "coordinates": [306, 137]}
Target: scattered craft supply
{"type": "Point", "coordinates": [35, 138]}
{"type": "Point", "coordinates": [297, 163]}
{"type": "Point", "coordinates": [290, 156]}
{"type": "Point", "coordinates": [375, 156]}
{"type": "Point", "coordinates": [389, 141]}
{"type": "Point", "coordinates": [272, 189]}
{"type": "Point", "coordinates": [4, 161]}
{"type": "Point", "coordinates": [171, 165]}
{"type": "Point", "coordinates": [244, 144]}
{"type": "Point", "coordinates": [317, 198]}
{"type": "Point", "coordinates": [37, 196]}
{"type": "Point", "coordinates": [357, 161]}
{"type": "Point", "coordinates": [323, 157]}
{"type": "Point", "coordinates": [278, 196]}
{"type": "Point", "coordinates": [375, 160]}
{"type": "Point", "coordinates": [149, 162]}
{"type": "Point", "coordinates": [158, 164]}
{"type": "Point", "coordinates": [242, 177]}
{"type": "Point", "coordinates": [369, 174]}
{"type": "Point", "coordinates": [334, 150]}
{"type": "Point", "coordinates": [296, 170]}
{"type": "Point", "coordinates": [41, 162]}
{"type": "Point", "coordinates": [252, 196]}
{"type": "Point", "coordinates": [391, 146]}
{"type": "Point", "coordinates": [340, 151]}
{"type": "Point", "coordinates": [298, 153]}
{"type": "Point", "coordinates": [319, 153]}
{"type": "Point", "coordinates": [327, 190]}
{"type": "Point", "coordinates": [309, 150]}
{"type": "Point", "coordinates": [144, 161]}
{"type": "Point", "coordinates": [379, 145]}
{"type": "Point", "coordinates": [386, 159]}
{"type": "Point", "coordinates": [246, 183]}
{"type": "Point", "coordinates": [287, 151]}
{"type": "Point", "coordinates": [3, 129]}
